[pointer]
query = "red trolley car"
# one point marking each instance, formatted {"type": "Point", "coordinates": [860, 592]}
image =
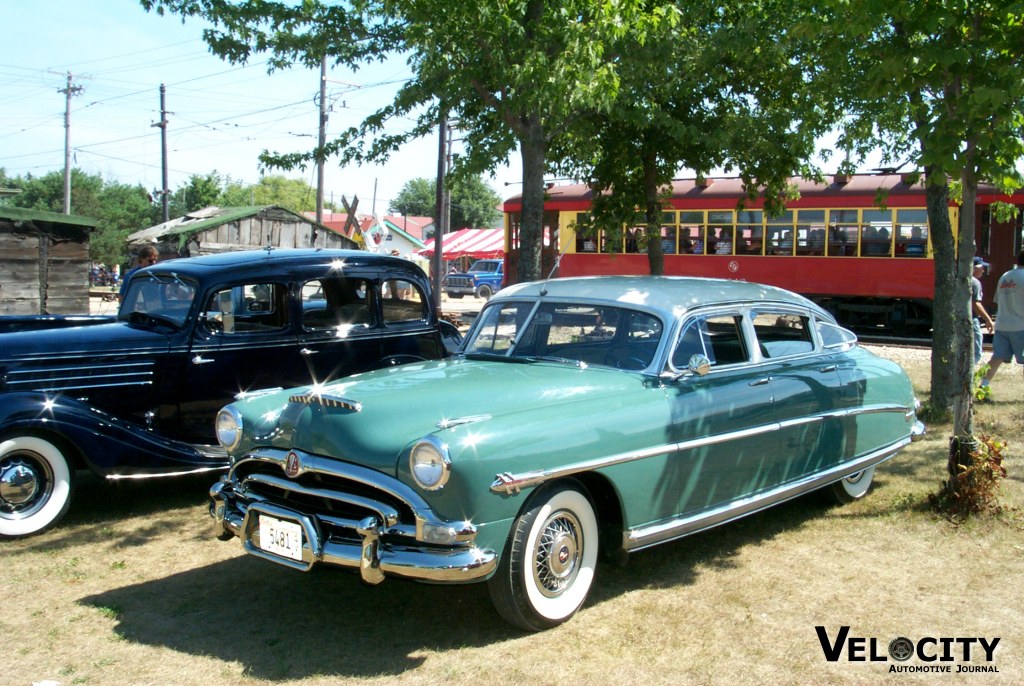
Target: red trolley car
{"type": "Point", "coordinates": [869, 263]}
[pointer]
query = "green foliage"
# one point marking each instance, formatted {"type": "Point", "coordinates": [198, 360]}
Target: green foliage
{"type": "Point", "coordinates": [981, 393]}
{"type": "Point", "coordinates": [121, 209]}
{"type": "Point", "coordinates": [418, 198]}
{"type": "Point", "coordinates": [976, 470]}
{"type": "Point", "coordinates": [473, 202]}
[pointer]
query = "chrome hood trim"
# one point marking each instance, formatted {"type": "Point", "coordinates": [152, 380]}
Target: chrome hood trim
{"type": "Point", "coordinates": [326, 398]}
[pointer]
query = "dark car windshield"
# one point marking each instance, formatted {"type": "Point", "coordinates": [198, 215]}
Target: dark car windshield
{"type": "Point", "coordinates": [576, 332]}
{"type": "Point", "coordinates": [161, 297]}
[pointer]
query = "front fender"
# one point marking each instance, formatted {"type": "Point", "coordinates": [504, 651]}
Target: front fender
{"type": "Point", "coordinates": [106, 445]}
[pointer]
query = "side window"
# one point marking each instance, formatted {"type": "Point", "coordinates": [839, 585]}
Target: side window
{"type": "Point", "coordinates": [835, 337]}
{"type": "Point", "coordinates": [402, 301]}
{"type": "Point", "coordinates": [782, 334]}
{"type": "Point", "coordinates": [718, 337]}
{"type": "Point", "coordinates": [339, 301]}
{"type": "Point", "coordinates": [248, 308]}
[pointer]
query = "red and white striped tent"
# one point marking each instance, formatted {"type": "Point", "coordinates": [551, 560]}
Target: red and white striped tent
{"type": "Point", "coordinates": [477, 244]}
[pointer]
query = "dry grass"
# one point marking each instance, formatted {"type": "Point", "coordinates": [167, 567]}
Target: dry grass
{"type": "Point", "coordinates": [132, 589]}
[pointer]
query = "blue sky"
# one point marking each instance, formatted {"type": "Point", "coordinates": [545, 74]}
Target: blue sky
{"type": "Point", "coordinates": [221, 116]}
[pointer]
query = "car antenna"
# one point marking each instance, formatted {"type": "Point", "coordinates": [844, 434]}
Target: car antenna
{"type": "Point", "coordinates": [558, 260]}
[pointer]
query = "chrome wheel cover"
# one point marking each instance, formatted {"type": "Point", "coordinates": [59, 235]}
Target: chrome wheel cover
{"type": "Point", "coordinates": [556, 555]}
{"type": "Point", "coordinates": [26, 482]}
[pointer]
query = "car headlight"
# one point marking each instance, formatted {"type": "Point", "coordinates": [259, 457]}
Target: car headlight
{"type": "Point", "coordinates": [430, 464]}
{"type": "Point", "coordinates": [229, 427]}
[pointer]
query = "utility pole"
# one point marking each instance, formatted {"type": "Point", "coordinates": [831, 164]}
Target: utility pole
{"type": "Point", "coordinates": [321, 142]}
{"type": "Point", "coordinates": [442, 130]}
{"type": "Point", "coordinates": [68, 92]}
{"type": "Point", "coordinates": [162, 125]}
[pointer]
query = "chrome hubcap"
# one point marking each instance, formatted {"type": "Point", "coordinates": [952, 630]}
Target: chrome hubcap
{"type": "Point", "coordinates": [24, 485]}
{"type": "Point", "coordinates": [557, 555]}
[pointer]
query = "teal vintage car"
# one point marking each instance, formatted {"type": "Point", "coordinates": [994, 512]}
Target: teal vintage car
{"type": "Point", "coordinates": [581, 415]}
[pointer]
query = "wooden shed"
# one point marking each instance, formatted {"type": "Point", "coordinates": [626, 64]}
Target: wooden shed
{"type": "Point", "coordinates": [224, 229]}
{"type": "Point", "coordinates": [44, 262]}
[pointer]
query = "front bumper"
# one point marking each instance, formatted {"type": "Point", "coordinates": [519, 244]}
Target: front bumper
{"type": "Point", "coordinates": [375, 542]}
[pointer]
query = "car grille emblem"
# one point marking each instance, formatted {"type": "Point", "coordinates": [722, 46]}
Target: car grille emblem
{"type": "Point", "coordinates": [292, 467]}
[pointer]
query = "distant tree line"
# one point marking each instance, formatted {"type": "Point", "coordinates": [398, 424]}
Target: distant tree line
{"type": "Point", "coordinates": [123, 209]}
{"type": "Point", "coordinates": [474, 204]}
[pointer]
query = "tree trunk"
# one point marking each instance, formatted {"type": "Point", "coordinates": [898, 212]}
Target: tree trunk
{"type": "Point", "coordinates": [944, 316]}
{"type": "Point", "coordinates": [533, 145]}
{"type": "Point", "coordinates": [652, 211]}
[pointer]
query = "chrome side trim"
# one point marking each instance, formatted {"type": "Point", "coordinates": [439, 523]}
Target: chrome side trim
{"type": "Point", "coordinates": [512, 484]}
{"type": "Point", "coordinates": [677, 527]}
{"type": "Point", "coordinates": [161, 475]}
{"type": "Point", "coordinates": [68, 378]}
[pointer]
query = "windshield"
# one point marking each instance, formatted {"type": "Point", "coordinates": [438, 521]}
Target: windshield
{"type": "Point", "coordinates": [485, 266]}
{"type": "Point", "coordinates": [165, 297]}
{"type": "Point", "coordinates": [575, 332]}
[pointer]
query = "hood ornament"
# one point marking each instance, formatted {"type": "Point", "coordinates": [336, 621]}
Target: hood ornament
{"type": "Point", "coordinates": [326, 398]}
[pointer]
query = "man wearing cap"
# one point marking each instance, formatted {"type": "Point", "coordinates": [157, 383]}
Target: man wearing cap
{"type": "Point", "coordinates": [979, 314]}
{"type": "Point", "coordinates": [1008, 339]}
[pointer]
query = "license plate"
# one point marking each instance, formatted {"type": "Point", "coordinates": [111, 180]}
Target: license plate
{"type": "Point", "coordinates": [280, 537]}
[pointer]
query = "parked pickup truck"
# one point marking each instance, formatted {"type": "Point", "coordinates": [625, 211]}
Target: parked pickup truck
{"type": "Point", "coordinates": [482, 280]}
{"type": "Point", "coordinates": [136, 395]}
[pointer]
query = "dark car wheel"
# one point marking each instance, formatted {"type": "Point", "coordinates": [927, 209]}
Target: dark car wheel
{"type": "Point", "coordinates": [548, 566]}
{"type": "Point", "coordinates": [484, 292]}
{"type": "Point", "coordinates": [35, 485]}
{"type": "Point", "coordinates": [853, 487]}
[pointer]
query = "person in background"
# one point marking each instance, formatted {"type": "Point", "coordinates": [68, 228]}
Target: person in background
{"type": "Point", "coordinates": [147, 256]}
{"type": "Point", "coordinates": [1008, 339]}
{"type": "Point", "coordinates": [979, 315]}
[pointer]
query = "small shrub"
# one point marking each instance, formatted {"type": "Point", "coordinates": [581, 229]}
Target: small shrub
{"type": "Point", "coordinates": [976, 467]}
{"type": "Point", "coordinates": [981, 393]}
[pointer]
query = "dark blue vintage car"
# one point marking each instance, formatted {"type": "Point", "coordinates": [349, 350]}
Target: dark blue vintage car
{"type": "Point", "coordinates": [136, 395]}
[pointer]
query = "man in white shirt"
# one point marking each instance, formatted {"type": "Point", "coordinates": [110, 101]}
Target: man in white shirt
{"type": "Point", "coordinates": [1008, 339]}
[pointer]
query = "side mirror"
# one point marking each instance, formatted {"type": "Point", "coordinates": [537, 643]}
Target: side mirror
{"type": "Point", "coordinates": [699, 364]}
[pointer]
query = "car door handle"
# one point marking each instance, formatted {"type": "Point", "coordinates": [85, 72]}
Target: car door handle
{"type": "Point", "coordinates": [829, 369]}
{"type": "Point", "coordinates": [199, 359]}
{"type": "Point", "coordinates": [307, 352]}
{"type": "Point", "coordinates": [761, 382]}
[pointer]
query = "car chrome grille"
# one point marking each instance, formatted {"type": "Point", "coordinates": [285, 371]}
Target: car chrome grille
{"type": "Point", "coordinates": [459, 281]}
{"type": "Point", "coordinates": [65, 376]}
{"type": "Point", "coordinates": [337, 502]}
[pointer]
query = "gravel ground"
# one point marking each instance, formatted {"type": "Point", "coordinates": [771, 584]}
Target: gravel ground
{"type": "Point", "coordinates": [901, 354]}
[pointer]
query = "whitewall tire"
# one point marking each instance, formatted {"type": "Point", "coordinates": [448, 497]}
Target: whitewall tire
{"type": "Point", "coordinates": [548, 565]}
{"type": "Point", "coordinates": [853, 487]}
{"type": "Point", "coordinates": [35, 485]}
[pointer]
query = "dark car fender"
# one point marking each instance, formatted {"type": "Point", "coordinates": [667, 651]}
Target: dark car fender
{"type": "Point", "coordinates": [102, 443]}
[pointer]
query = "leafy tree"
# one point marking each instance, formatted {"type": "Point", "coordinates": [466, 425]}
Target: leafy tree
{"type": "Point", "coordinates": [292, 194]}
{"type": "Point", "coordinates": [200, 191]}
{"type": "Point", "coordinates": [418, 198]}
{"type": "Point", "coordinates": [474, 204]}
{"type": "Point", "coordinates": [46, 192]}
{"type": "Point", "coordinates": [120, 208]}
{"type": "Point", "coordinates": [939, 84]}
{"type": "Point", "coordinates": [123, 210]}
{"type": "Point", "coordinates": [695, 94]}
{"type": "Point", "coordinates": [513, 74]}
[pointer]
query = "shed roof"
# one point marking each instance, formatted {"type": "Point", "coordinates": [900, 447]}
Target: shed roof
{"type": "Point", "coordinates": [207, 218]}
{"type": "Point", "coordinates": [25, 215]}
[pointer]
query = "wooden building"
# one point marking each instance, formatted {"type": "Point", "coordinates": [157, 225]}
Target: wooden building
{"type": "Point", "coordinates": [225, 229]}
{"type": "Point", "coordinates": [44, 262]}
